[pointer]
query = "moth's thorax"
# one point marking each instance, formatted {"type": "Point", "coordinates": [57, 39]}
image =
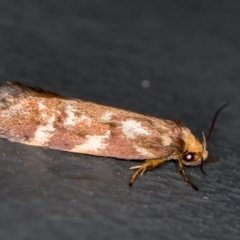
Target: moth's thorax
{"type": "Point", "coordinates": [193, 145]}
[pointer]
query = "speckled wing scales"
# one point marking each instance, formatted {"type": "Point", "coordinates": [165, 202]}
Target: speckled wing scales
{"type": "Point", "coordinates": [41, 118]}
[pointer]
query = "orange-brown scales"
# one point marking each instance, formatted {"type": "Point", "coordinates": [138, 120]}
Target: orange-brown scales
{"type": "Point", "coordinates": [37, 117]}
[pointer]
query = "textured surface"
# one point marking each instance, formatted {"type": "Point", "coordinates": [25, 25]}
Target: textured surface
{"type": "Point", "coordinates": [163, 58]}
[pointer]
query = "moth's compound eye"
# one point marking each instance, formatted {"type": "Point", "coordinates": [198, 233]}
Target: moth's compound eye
{"type": "Point", "coordinates": [188, 157]}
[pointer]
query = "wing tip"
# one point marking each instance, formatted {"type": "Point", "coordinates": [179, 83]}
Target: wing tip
{"type": "Point", "coordinates": [16, 89]}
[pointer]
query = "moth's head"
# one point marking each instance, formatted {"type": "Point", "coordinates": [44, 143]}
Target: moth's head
{"type": "Point", "coordinates": [194, 151]}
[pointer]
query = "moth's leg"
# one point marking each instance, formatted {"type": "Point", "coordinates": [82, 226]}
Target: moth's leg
{"type": "Point", "coordinates": [182, 170]}
{"type": "Point", "coordinates": [147, 165]}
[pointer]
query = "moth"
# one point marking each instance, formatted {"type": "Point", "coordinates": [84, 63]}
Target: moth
{"type": "Point", "coordinates": [41, 118]}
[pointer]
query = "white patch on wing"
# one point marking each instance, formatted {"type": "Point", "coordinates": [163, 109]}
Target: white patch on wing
{"type": "Point", "coordinates": [166, 140]}
{"type": "Point", "coordinates": [106, 117]}
{"type": "Point", "coordinates": [41, 106]}
{"type": "Point", "coordinates": [43, 133]}
{"type": "Point", "coordinates": [144, 152]}
{"type": "Point", "coordinates": [44, 115]}
{"type": "Point", "coordinates": [131, 129]}
{"type": "Point", "coordinates": [71, 119]}
{"type": "Point", "coordinates": [14, 109]}
{"type": "Point", "coordinates": [93, 143]}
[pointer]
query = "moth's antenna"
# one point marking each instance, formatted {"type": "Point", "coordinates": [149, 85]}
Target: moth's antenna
{"type": "Point", "coordinates": [214, 120]}
{"type": "Point", "coordinates": [210, 131]}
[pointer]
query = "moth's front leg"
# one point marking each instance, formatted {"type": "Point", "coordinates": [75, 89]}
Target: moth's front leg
{"type": "Point", "coordinates": [146, 166]}
{"type": "Point", "coordinates": [182, 170]}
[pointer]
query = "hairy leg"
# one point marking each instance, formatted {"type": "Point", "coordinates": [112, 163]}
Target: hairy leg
{"type": "Point", "coordinates": [146, 166]}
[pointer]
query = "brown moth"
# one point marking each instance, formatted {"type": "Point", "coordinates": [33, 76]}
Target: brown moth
{"type": "Point", "coordinates": [41, 118]}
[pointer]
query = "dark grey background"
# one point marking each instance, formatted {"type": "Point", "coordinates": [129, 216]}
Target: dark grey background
{"type": "Point", "coordinates": [102, 51]}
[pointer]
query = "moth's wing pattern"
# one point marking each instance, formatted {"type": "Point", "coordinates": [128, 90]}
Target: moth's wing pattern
{"type": "Point", "coordinates": [37, 117]}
